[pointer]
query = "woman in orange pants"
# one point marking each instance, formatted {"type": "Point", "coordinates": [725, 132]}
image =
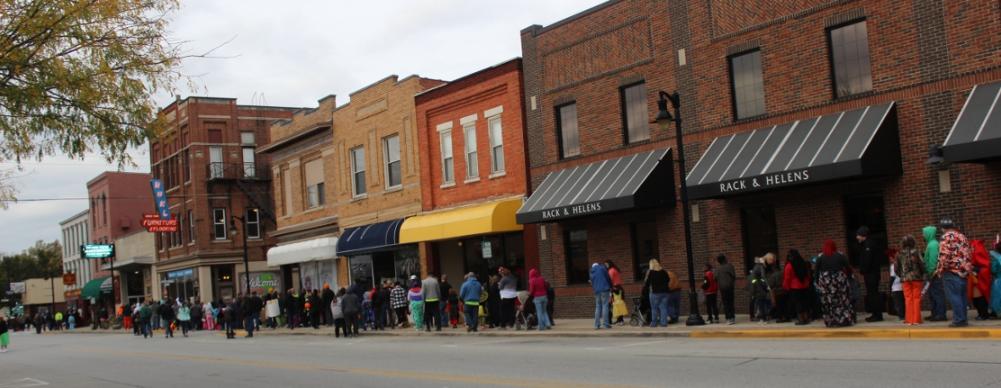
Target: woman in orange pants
{"type": "Point", "coordinates": [912, 274]}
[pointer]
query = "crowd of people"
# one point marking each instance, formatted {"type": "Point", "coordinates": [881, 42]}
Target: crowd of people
{"type": "Point", "coordinates": [826, 286]}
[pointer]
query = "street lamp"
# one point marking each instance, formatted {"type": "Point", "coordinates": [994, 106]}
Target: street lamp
{"type": "Point", "coordinates": [246, 258]}
{"type": "Point", "coordinates": [663, 118]}
{"type": "Point", "coordinates": [935, 155]}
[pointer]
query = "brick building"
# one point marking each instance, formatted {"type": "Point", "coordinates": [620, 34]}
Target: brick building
{"type": "Point", "coordinates": [470, 136]}
{"type": "Point", "coordinates": [117, 203]}
{"type": "Point", "coordinates": [76, 232]}
{"type": "Point", "coordinates": [803, 121]}
{"type": "Point", "coordinates": [302, 158]}
{"type": "Point", "coordinates": [215, 180]}
{"type": "Point", "coordinates": [376, 177]}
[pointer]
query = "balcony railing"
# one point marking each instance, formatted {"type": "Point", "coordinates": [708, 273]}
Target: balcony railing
{"type": "Point", "coordinates": [242, 171]}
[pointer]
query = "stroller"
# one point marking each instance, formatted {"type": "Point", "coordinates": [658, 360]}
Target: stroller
{"type": "Point", "coordinates": [524, 312]}
{"type": "Point", "coordinates": [637, 317]}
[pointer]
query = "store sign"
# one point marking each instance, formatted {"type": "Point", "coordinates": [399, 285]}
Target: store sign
{"type": "Point", "coordinates": [488, 252]}
{"type": "Point", "coordinates": [17, 287]}
{"type": "Point", "coordinates": [184, 273]}
{"type": "Point", "coordinates": [160, 199]}
{"type": "Point", "coordinates": [97, 251]}
{"type": "Point", "coordinates": [572, 211]}
{"type": "Point", "coordinates": [261, 282]}
{"type": "Point", "coordinates": [764, 181]}
{"type": "Point", "coordinates": [154, 224]}
{"type": "Point", "coordinates": [69, 279]}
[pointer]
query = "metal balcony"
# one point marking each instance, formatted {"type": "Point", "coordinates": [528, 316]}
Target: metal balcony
{"type": "Point", "coordinates": [238, 171]}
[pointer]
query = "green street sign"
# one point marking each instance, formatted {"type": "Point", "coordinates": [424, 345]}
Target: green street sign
{"type": "Point", "coordinates": [97, 251]}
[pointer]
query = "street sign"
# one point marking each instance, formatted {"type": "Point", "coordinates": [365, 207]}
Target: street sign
{"type": "Point", "coordinates": [154, 224]}
{"type": "Point", "coordinates": [160, 199]}
{"type": "Point", "coordinates": [97, 251]}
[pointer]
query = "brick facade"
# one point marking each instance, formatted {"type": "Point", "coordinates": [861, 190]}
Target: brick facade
{"type": "Point", "coordinates": [180, 157]}
{"type": "Point", "coordinates": [925, 56]}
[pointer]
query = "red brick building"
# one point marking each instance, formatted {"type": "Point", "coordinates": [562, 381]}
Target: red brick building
{"type": "Point", "coordinates": [804, 120]}
{"type": "Point", "coordinates": [471, 140]}
{"type": "Point", "coordinates": [213, 176]}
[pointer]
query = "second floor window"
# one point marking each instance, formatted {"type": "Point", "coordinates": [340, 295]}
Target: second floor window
{"type": "Point", "coordinates": [496, 134]}
{"type": "Point", "coordinates": [747, 85]}
{"type": "Point", "coordinates": [191, 226]}
{"type": "Point", "coordinates": [850, 59]}
{"type": "Point", "coordinates": [391, 152]}
{"type": "Point", "coordinates": [358, 170]}
{"type": "Point", "coordinates": [634, 113]}
{"type": "Point", "coordinates": [472, 160]}
{"type": "Point", "coordinates": [286, 192]}
{"type": "Point", "coordinates": [313, 171]}
{"type": "Point", "coordinates": [566, 127]}
{"type": "Point", "coordinates": [215, 162]}
{"type": "Point", "coordinates": [447, 163]}
{"type": "Point", "coordinates": [253, 222]}
{"type": "Point", "coordinates": [219, 223]}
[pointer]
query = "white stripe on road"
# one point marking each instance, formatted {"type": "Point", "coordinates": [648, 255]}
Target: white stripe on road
{"type": "Point", "coordinates": [24, 383]}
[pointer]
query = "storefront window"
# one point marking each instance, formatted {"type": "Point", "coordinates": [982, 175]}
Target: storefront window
{"type": "Point", "coordinates": [180, 284]}
{"type": "Point", "coordinates": [577, 262]}
{"type": "Point", "coordinates": [483, 255]}
{"type": "Point", "coordinates": [645, 247]}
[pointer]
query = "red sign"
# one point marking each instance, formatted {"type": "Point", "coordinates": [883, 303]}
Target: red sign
{"type": "Point", "coordinates": [154, 224]}
{"type": "Point", "coordinates": [69, 278]}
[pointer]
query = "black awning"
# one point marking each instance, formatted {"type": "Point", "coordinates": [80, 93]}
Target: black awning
{"type": "Point", "coordinates": [369, 238]}
{"type": "Point", "coordinates": [861, 142]}
{"type": "Point", "coordinates": [976, 134]}
{"type": "Point", "coordinates": [635, 181]}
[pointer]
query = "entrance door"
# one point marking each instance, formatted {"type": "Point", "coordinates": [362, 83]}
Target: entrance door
{"type": "Point", "coordinates": [361, 270]}
{"type": "Point", "coordinates": [866, 210]}
{"type": "Point", "coordinates": [760, 233]}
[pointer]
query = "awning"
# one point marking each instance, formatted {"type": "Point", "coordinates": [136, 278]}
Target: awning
{"type": "Point", "coordinates": [635, 181]}
{"type": "Point", "coordinates": [94, 288]}
{"type": "Point", "coordinates": [857, 143]}
{"type": "Point", "coordinates": [976, 134]}
{"type": "Point", "coordinates": [494, 217]}
{"type": "Point", "coordinates": [322, 248]}
{"type": "Point", "coordinates": [368, 238]}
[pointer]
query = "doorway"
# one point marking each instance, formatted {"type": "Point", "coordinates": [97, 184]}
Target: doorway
{"type": "Point", "coordinates": [760, 233]}
{"type": "Point", "coordinates": [866, 210]}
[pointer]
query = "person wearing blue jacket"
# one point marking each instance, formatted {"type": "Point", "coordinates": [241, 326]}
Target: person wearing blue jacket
{"type": "Point", "coordinates": [602, 286]}
{"type": "Point", "coordinates": [469, 293]}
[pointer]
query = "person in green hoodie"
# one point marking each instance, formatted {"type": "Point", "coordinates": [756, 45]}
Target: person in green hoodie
{"type": "Point", "coordinates": [935, 289]}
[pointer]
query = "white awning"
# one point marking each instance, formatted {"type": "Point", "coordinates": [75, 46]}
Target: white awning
{"type": "Point", "coordinates": [323, 248]}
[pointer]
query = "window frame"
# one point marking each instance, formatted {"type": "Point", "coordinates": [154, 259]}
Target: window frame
{"type": "Point", "coordinates": [318, 188]}
{"type": "Point", "coordinates": [624, 112]}
{"type": "Point", "coordinates": [447, 163]}
{"type": "Point", "coordinates": [388, 162]}
{"type": "Point", "coordinates": [217, 223]}
{"type": "Point", "coordinates": [568, 244]}
{"type": "Point", "coordinates": [495, 142]}
{"type": "Point", "coordinates": [734, 111]}
{"type": "Point", "coordinates": [357, 192]}
{"type": "Point", "coordinates": [828, 32]}
{"type": "Point", "coordinates": [559, 129]}
{"type": "Point", "coordinates": [192, 230]}
{"type": "Point", "coordinates": [256, 224]}
{"type": "Point", "coordinates": [474, 163]}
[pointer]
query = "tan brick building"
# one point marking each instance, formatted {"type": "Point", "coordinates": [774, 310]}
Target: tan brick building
{"type": "Point", "coordinates": [376, 178]}
{"type": "Point", "coordinates": [303, 164]}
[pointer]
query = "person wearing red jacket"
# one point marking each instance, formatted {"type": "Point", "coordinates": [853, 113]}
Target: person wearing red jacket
{"type": "Point", "coordinates": [980, 280]}
{"type": "Point", "coordinates": [537, 290]}
{"type": "Point", "coordinates": [711, 288]}
{"type": "Point", "coordinates": [796, 280]}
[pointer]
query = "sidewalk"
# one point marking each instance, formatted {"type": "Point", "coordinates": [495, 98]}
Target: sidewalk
{"type": "Point", "coordinates": [889, 329]}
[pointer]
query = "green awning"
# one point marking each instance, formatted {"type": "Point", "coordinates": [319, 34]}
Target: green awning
{"type": "Point", "coordinates": [94, 288]}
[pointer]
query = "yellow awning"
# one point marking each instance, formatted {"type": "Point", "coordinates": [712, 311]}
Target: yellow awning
{"type": "Point", "coordinates": [494, 217]}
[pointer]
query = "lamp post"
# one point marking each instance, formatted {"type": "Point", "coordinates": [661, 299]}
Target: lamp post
{"type": "Point", "coordinates": [246, 258]}
{"type": "Point", "coordinates": [663, 118]}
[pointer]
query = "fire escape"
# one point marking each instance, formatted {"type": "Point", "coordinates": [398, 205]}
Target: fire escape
{"type": "Point", "coordinates": [252, 179]}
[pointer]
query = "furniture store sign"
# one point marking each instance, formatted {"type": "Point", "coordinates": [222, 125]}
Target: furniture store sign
{"type": "Point", "coordinates": [765, 181]}
{"type": "Point", "coordinates": [572, 211]}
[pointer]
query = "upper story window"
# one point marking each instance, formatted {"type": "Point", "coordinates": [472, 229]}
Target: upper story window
{"type": "Point", "coordinates": [215, 162]}
{"type": "Point", "coordinates": [253, 223]}
{"type": "Point", "coordinates": [850, 59]}
{"type": "Point", "coordinates": [219, 223]}
{"type": "Point", "coordinates": [391, 154]}
{"type": "Point", "coordinates": [496, 134]}
{"type": "Point", "coordinates": [191, 226]}
{"type": "Point", "coordinates": [469, 141]}
{"type": "Point", "coordinates": [447, 163]}
{"type": "Point", "coordinates": [358, 171]}
{"type": "Point", "coordinates": [747, 85]}
{"type": "Point", "coordinates": [247, 138]}
{"type": "Point", "coordinates": [634, 113]}
{"type": "Point", "coordinates": [286, 181]}
{"type": "Point", "coordinates": [566, 128]}
{"type": "Point", "coordinates": [313, 172]}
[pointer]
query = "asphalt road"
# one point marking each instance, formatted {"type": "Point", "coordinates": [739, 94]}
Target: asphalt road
{"type": "Point", "coordinates": [209, 360]}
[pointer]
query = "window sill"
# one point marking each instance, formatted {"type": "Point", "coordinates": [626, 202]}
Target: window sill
{"type": "Point", "coordinates": [637, 142]}
{"type": "Point", "coordinates": [499, 174]}
{"type": "Point", "coordinates": [221, 241]}
{"type": "Point", "coordinates": [472, 180]}
{"type": "Point", "coordinates": [393, 189]}
{"type": "Point", "coordinates": [849, 97]}
{"type": "Point", "coordinates": [749, 118]}
{"type": "Point", "coordinates": [447, 185]}
{"type": "Point", "coordinates": [360, 197]}
{"type": "Point", "coordinates": [312, 209]}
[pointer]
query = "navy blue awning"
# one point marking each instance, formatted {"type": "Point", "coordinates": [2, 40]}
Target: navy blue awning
{"type": "Point", "coordinates": [369, 238]}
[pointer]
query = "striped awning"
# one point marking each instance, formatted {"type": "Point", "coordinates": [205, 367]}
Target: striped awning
{"type": "Point", "coordinates": [856, 143]}
{"type": "Point", "coordinates": [976, 134]}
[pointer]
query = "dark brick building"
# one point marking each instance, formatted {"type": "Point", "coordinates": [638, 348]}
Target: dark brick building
{"type": "Point", "coordinates": [862, 88]}
{"type": "Point", "coordinates": [209, 165]}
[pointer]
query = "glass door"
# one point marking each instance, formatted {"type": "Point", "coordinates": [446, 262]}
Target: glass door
{"type": "Point", "coordinates": [760, 233]}
{"type": "Point", "coordinates": [362, 270]}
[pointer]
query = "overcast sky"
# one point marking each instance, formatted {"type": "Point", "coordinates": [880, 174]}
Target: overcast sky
{"type": "Point", "coordinates": [293, 54]}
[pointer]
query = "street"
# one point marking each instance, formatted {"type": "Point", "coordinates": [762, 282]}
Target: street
{"type": "Point", "coordinates": [209, 360]}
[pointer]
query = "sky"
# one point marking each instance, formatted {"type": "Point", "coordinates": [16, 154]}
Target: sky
{"type": "Point", "coordinates": [293, 55]}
